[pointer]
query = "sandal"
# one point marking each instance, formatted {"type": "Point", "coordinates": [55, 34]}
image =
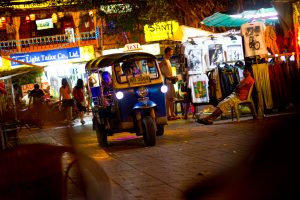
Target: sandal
{"type": "Point", "coordinates": [170, 118]}
{"type": "Point", "coordinates": [176, 117]}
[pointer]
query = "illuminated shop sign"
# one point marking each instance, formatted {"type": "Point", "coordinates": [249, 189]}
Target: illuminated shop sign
{"type": "Point", "coordinates": [132, 47]}
{"type": "Point", "coordinates": [44, 24]}
{"type": "Point", "coordinates": [147, 48]}
{"type": "Point", "coordinates": [116, 8]}
{"type": "Point", "coordinates": [160, 31]}
{"type": "Point", "coordinates": [46, 56]}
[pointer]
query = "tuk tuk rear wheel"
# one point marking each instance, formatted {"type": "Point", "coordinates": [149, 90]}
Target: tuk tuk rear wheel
{"type": "Point", "coordinates": [149, 131]}
{"type": "Point", "coordinates": [101, 135]}
{"type": "Point", "coordinates": [160, 130]}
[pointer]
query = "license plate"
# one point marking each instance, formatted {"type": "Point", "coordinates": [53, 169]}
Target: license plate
{"type": "Point", "coordinates": [139, 80]}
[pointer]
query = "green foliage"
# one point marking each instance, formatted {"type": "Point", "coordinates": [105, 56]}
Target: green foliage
{"type": "Point", "coordinates": [29, 77]}
{"type": "Point", "coordinates": [133, 16]}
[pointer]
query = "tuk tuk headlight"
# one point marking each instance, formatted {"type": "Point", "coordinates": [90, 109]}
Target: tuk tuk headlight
{"type": "Point", "coordinates": [142, 91]}
{"type": "Point", "coordinates": [164, 89]}
{"type": "Point", "coordinates": [119, 95]}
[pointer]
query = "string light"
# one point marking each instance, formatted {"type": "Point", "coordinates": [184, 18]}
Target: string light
{"type": "Point", "coordinates": [61, 14]}
{"type": "Point", "coordinates": [27, 18]}
{"type": "Point", "coordinates": [91, 13]}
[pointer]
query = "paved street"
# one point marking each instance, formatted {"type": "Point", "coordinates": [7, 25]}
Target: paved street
{"type": "Point", "coordinates": [188, 153]}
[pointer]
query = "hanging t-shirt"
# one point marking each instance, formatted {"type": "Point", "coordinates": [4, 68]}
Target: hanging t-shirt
{"type": "Point", "coordinates": [214, 52]}
{"type": "Point", "coordinates": [194, 55]}
{"type": "Point", "coordinates": [199, 88]}
{"type": "Point", "coordinates": [233, 48]}
{"type": "Point", "coordinates": [254, 39]}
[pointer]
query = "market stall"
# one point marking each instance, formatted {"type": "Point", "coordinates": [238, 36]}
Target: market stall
{"type": "Point", "coordinates": [266, 49]}
{"type": "Point", "coordinates": [9, 101]}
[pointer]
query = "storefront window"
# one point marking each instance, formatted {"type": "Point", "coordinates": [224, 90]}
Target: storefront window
{"type": "Point", "coordinates": [55, 73]}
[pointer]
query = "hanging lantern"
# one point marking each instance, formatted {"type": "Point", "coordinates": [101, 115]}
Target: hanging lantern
{"type": "Point", "coordinates": [91, 13]}
{"type": "Point", "coordinates": [54, 18]}
{"type": "Point", "coordinates": [27, 19]}
{"type": "Point", "coordinates": [61, 14]}
{"type": "Point", "coordinates": [32, 17]}
{"type": "Point", "coordinates": [1, 23]}
{"type": "Point", "coordinates": [3, 19]}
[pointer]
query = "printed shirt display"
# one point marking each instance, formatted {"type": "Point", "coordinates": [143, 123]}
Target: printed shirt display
{"type": "Point", "coordinates": [214, 52]}
{"type": "Point", "coordinates": [254, 39]}
{"type": "Point", "coordinates": [199, 88]}
{"type": "Point", "coordinates": [233, 49]}
{"type": "Point", "coordinates": [194, 55]}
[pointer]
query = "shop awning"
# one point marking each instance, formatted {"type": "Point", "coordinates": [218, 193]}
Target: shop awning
{"type": "Point", "coordinates": [108, 60]}
{"type": "Point", "coordinates": [184, 32]}
{"type": "Point", "coordinates": [224, 20]}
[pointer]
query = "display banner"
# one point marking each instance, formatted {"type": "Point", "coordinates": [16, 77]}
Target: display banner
{"type": "Point", "coordinates": [45, 56]}
{"type": "Point", "coordinates": [160, 31]}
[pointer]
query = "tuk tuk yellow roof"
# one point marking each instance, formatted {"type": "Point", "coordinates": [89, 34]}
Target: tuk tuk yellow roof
{"type": "Point", "coordinates": [109, 60]}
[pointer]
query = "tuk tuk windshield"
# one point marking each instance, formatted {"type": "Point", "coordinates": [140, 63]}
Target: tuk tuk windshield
{"type": "Point", "coordinates": [136, 71]}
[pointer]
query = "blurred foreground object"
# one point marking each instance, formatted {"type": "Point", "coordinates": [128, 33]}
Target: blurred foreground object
{"type": "Point", "coordinates": [37, 171]}
{"type": "Point", "coordinates": [271, 171]}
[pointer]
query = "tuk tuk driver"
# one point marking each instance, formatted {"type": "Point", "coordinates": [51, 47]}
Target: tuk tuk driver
{"type": "Point", "coordinates": [107, 88]}
{"type": "Point", "coordinates": [107, 97]}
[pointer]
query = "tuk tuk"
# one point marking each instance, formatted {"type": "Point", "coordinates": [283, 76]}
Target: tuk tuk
{"type": "Point", "coordinates": [137, 96]}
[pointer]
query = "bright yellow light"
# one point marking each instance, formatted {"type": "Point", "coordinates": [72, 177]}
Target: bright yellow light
{"type": "Point", "coordinates": [54, 17]}
{"type": "Point", "coordinates": [32, 17]}
{"type": "Point", "coordinates": [60, 14]}
{"type": "Point", "coordinates": [160, 30]}
{"type": "Point", "coordinates": [91, 13]}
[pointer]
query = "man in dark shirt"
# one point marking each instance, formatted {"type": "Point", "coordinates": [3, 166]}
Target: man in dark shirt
{"type": "Point", "coordinates": [36, 99]}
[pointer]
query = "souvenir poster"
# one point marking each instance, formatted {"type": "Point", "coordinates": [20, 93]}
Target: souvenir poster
{"type": "Point", "coordinates": [254, 40]}
{"type": "Point", "coordinates": [215, 53]}
{"type": "Point", "coordinates": [194, 56]}
{"type": "Point", "coordinates": [199, 88]}
{"type": "Point", "coordinates": [234, 52]}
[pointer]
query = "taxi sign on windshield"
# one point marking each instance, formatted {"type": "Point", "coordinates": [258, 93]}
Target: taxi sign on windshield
{"type": "Point", "coordinates": [139, 80]}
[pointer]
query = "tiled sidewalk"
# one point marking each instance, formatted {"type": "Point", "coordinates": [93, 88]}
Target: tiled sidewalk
{"type": "Point", "coordinates": [188, 152]}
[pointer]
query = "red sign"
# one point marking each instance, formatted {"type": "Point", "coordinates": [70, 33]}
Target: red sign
{"type": "Point", "coordinates": [26, 88]}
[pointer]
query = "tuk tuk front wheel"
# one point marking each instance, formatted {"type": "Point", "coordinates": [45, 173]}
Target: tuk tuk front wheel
{"type": "Point", "coordinates": [149, 131]}
{"type": "Point", "coordinates": [101, 135]}
{"type": "Point", "coordinates": [160, 130]}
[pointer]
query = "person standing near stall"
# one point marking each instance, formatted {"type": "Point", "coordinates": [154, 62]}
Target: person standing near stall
{"type": "Point", "coordinates": [166, 70]}
{"type": "Point", "coordinates": [78, 94]}
{"type": "Point", "coordinates": [67, 101]}
{"type": "Point", "coordinates": [36, 99]}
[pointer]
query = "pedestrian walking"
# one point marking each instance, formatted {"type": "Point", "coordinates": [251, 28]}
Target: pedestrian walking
{"type": "Point", "coordinates": [65, 98]}
{"type": "Point", "coordinates": [78, 94]}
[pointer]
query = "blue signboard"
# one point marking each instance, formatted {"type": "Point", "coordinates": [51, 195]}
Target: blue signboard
{"type": "Point", "coordinates": [46, 56]}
